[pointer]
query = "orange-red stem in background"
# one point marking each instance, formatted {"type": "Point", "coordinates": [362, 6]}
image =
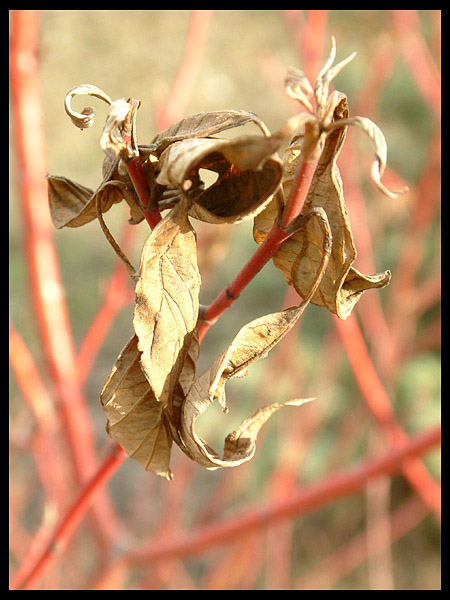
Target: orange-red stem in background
{"type": "Point", "coordinates": [45, 280]}
{"type": "Point", "coordinates": [25, 580]}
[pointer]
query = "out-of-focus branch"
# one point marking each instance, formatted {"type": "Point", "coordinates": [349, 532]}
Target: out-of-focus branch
{"type": "Point", "coordinates": [46, 286]}
{"type": "Point", "coordinates": [379, 404]}
{"type": "Point", "coordinates": [297, 502]}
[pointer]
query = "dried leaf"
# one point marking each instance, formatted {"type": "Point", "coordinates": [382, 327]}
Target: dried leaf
{"type": "Point", "coordinates": [300, 255]}
{"type": "Point", "coordinates": [202, 125]}
{"type": "Point", "coordinates": [84, 119]}
{"type": "Point", "coordinates": [297, 86]}
{"type": "Point", "coordinates": [248, 174]}
{"type": "Point", "coordinates": [119, 132]}
{"type": "Point", "coordinates": [135, 418]}
{"type": "Point", "coordinates": [73, 205]}
{"type": "Point", "coordinates": [241, 444]}
{"type": "Point", "coordinates": [379, 142]}
{"type": "Point", "coordinates": [326, 75]}
{"type": "Point", "coordinates": [182, 389]}
{"type": "Point", "coordinates": [252, 342]}
{"type": "Point", "coordinates": [166, 307]}
{"type": "Point", "coordinates": [67, 200]}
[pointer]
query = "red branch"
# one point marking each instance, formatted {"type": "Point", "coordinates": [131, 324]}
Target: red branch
{"type": "Point", "coordinates": [28, 575]}
{"type": "Point", "coordinates": [297, 502]}
{"type": "Point", "coordinates": [46, 286]}
{"type": "Point", "coordinates": [378, 401]}
{"type": "Point", "coordinates": [276, 237]}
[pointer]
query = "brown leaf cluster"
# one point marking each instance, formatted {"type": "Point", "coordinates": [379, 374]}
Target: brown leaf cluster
{"type": "Point", "coordinates": [152, 396]}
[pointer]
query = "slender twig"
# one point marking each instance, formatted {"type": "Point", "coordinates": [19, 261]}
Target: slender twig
{"type": "Point", "coordinates": [175, 105]}
{"type": "Point", "coordinates": [148, 205]}
{"type": "Point", "coordinates": [53, 465]}
{"type": "Point", "coordinates": [189, 69]}
{"type": "Point", "coordinates": [418, 57]}
{"type": "Point", "coordinates": [25, 579]}
{"type": "Point", "coordinates": [50, 309]}
{"type": "Point", "coordinates": [297, 502]}
{"type": "Point", "coordinates": [276, 237]}
{"type": "Point", "coordinates": [350, 555]}
{"type": "Point", "coordinates": [380, 406]}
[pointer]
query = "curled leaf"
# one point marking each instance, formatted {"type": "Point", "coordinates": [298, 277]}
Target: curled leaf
{"type": "Point", "coordinates": [298, 258]}
{"type": "Point", "coordinates": [297, 86]}
{"type": "Point", "coordinates": [379, 143]}
{"type": "Point", "coordinates": [239, 446]}
{"type": "Point", "coordinates": [67, 201]}
{"type": "Point", "coordinates": [119, 135]}
{"type": "Point", "coordinates": [252, 342]}
{"type": "Point", "coordinates": [84, 119]}
{"type": "Point", "coordinates": [326, 75]}
{"type": "Point", "coordinates": [236, 195]}
{"type": "Point", "coordinates": [73, 205]}
{"type": "Point", "coordinates": [248, 172]}
{"type": "Point", "coordinates": [135, 418]}
{"type": "Point", "coordinates": [166, 308]}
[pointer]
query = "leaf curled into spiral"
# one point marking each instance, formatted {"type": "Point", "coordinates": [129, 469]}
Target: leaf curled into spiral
{"type": "Point", "coordinates": [84, 119]}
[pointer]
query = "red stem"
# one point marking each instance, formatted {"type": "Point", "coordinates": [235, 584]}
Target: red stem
{"type": "Point", "coordinates": [276, 237]}
{"type": "Point", "coordinates": [297, 502]}
{"type": "Point", "coordinates": [46, 285]}
{"type": "Point", "coordinates": [149, 206]}
{"type": "Point", "coordinates": [27, 576]}
{"type": "Point", "coordinates": [379, 403]}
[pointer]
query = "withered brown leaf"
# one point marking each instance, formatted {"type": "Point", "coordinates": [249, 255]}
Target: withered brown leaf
{"type": "Point", "coordinates": [240, 190]}
{"type": "Point", "coordinates": [341, 285]}
{"type": "Point", "coordinates": [84, 119]}
{"type": "Point", "coordinates": [73, 205]}
{"type": "Point", "coordinates": [135, 417]}
{"type": "Point", "coordinates": [166, 308]}
{"type": "Point", "coordinates": [251, 343]}
{"type": "Point", "coordinates": [202, 125]}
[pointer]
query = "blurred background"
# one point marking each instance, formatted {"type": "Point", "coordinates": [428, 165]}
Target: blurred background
{"type": "Point", "coordinates": [385, 538]}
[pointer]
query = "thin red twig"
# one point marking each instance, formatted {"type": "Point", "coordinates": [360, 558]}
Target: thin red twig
{"type": "Point", "coordinates": [418, 58]}
{"type": "Point", "coordinates": [46, 286]}
{"type": "Point", "coordinates": [24, 578]}
{"type": "Point", "coordinates": [347, 557]}
{"type": "Point", "coordinates": [298, 502]}
{"type": "Point", "coordinates": [189, 69]}
{"type": "Point", "coordinates": [380, 406]}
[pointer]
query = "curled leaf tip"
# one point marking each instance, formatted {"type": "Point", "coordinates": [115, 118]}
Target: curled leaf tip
{"type": "Point", "coordinates": [85, 118]}
{"type": "Point", "coordinates": [326, 75]}
{"type": "Point", "coordinates": [297, 86]}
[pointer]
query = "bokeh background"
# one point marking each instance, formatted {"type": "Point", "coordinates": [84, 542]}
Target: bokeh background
{"type": "Point", "coordinates": [137, 53]}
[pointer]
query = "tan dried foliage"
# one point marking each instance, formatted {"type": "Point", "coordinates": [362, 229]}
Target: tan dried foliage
{"type": "Point", "coordinates": [73, 205]}
{"type": "Point", "coordinates": [135, 417]}
{"type": "Point", "coordinates": [166, 308]}
{"type": "Point", "coordinates": [299, 257]}
{"type": "Point", "coordinates": [152, 396]}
